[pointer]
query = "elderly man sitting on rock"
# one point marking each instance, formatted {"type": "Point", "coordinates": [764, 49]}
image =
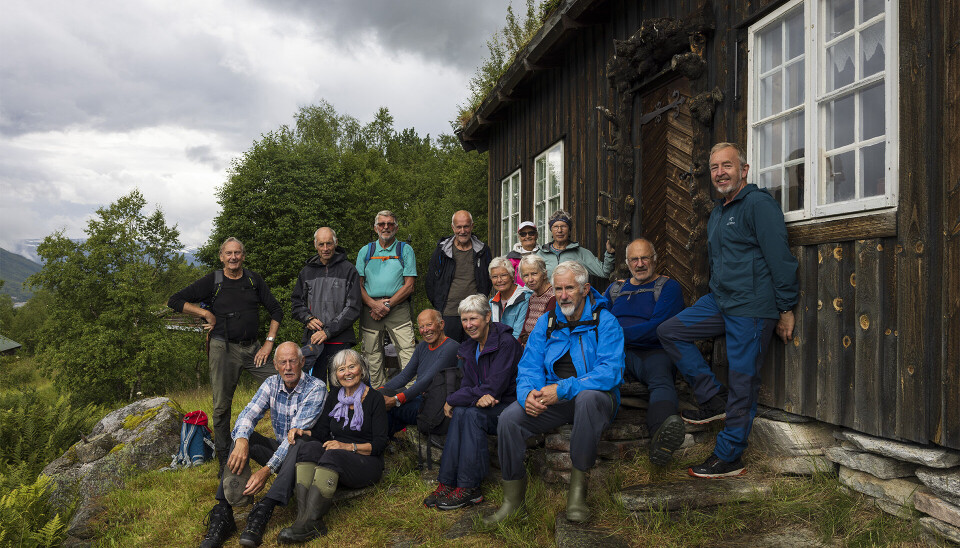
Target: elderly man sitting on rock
{"type": "Point", "coordinates": [570, 372]}
{"type": "Point", "coordinates": [294, 400]}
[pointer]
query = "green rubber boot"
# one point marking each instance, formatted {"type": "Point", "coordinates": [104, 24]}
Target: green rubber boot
{"type": "Point", "coordinates": [514, 492]}
{"type": "Point", "coordinates": [577, 509]}
{"type": "Point", "coordinates": [317, 486]}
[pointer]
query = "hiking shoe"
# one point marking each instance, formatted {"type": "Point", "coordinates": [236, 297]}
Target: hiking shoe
{"type": "Point", "coordinates": [441, 491]}
{"type": "Point", "coordinates": [252, 535]}
{"type": "Point", "coordinates": [667, 439]}
{"type": "Point", "coordinates": [234, 484]}
{"type": "Point", "coordinates": [220, 525]}
{"type": "Point", "coordinates": [713, 410]}
{"type": "Point", "coordinates": [459, 498]}
{"type": "Point", "coordinates": [713, 467]}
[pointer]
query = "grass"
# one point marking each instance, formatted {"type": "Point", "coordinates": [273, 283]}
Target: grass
{"type": "Point", "coordinates": [169, 508]}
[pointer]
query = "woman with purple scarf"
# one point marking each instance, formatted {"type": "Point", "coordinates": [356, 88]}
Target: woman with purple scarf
{"type": "Point", "coordinates": [345, 447]}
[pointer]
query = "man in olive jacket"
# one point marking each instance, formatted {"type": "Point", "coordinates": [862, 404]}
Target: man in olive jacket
{"type": "Point", "coordinates": [753, 284]}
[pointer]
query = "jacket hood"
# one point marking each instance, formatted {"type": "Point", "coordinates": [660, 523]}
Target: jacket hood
{"type": "Point", "coordinates": [517, 295]}
{"type": "Point", "coordinates": [339, 254]}
{"type": "Point", "coordinates": [743, 192]}
{"type": "Point", "coordinates": [520, 251]}
{"type": "Point", "coordinates": [446, 245]}
{"type": "Point", "coordinates": [595, 300]}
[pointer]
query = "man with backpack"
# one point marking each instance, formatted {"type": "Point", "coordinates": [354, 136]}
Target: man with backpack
{"type": "Point", "coordinates": [228, 301]}
{"type": "Point", "coordinates": [570, 372]}
{"type": "Point", "coordinates": [641, 304]}
{"type": "Point", "coordinates": [388, 272]}
{"type": "Point", "coordinates": [326, 300]}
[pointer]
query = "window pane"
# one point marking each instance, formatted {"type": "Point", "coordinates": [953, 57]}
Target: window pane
{"type": "Point", "coordinates": [873, 57]}
{"type": "Point", "coordinates": [873, 166]}
{"type": "Point", "coordinates": [840, 178]}
{"type": "Point", "coordinates": [505, 199]}
{"type": "Point", "coordinates": [794, 84]}
{"type": "Point", "coordinates": [540, 179]}
{"type": "Point", "coordinates": [839, 17]}
{"type": "Point", "coordinates": [840, 67]}
{"type": "Point", "coordinates": [770, 141]}
{"type": "Point", "coordinates": [794, 187]}
{"type": "Point", "coordinates": [839, 122]}
{"type": "Point", "coordinates": [554, 205]}
{"type": "Point", "coordinates": [793, 135]}
{"type": "Point", "coordinates": [771, 181]}
{"type": "Point", "coordinates": [872, 116]}
{"type": "Point", "coordinates": [771, 99]}
{"type": "Point", "coordinates": [794, 29]}
{"type": "Point", "coordinates": [870, 9]}
{"type": "Point", "coordinates": [771, 48]}
{"type": "Point", "coordinates": [516, 197]}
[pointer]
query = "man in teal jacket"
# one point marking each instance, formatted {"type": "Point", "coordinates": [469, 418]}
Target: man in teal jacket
{"type": "Point", "coordinates": [570, 372]}
{"type": "Point", "coordinates": [753, 284]}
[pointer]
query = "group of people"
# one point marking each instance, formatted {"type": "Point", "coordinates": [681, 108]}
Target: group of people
{"type": "Point", "coordinates": [517, 345]}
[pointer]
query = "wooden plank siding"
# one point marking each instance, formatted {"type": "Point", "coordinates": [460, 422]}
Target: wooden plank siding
{"type": "Point", "coordinates": [877, 340]}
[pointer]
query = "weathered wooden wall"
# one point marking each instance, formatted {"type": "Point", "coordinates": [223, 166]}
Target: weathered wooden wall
{"type": "Point", "coordinates": [877, 344]}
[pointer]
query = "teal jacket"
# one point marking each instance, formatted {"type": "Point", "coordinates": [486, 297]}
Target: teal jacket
{"type": "Point", "coordinates": [752, 272]}
{"type": "Point", "coordinates": [573, 252]}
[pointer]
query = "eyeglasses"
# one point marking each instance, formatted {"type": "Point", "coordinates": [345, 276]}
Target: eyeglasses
{"type": "Point", "coordinates": [645, 258]}
{"type": "Point", "coordinates": [526, 233]}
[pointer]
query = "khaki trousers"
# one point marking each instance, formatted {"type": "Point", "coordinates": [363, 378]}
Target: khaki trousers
{"type": "Point", "coordinates": [400, 327]}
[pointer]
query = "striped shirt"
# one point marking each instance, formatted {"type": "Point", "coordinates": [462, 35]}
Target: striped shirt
{"type": "Point", "coordinates": [297, 408]}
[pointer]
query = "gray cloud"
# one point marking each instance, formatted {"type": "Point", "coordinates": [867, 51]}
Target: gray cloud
{"type": "Point", "coordinates": [203, 154]}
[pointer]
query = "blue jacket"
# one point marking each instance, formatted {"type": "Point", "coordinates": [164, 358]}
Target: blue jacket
{"type": "Point", "coordinates": [597, 353]}
{"type": "Point", "coordinates": [514, 311]}
{"type": "Point", "coordinates": [752, 272]}
{"type": "Point", "coordinates": [496, 374]}
{"type": "Point", "coordinates": [640, 315]}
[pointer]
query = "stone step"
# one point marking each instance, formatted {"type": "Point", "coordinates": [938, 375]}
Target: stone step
{"type": "Point", "coordinates": [692, 493]}
{"type": "Point", "coordinates": [574, 535]}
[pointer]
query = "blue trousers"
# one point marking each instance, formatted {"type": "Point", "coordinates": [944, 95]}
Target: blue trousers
{"type": "Point", "coordinates": [654, 369]}
{"type": "Point", "coordinates": [403, 416]}
{"type": "Point", "coordinates": [747, 343]}
{"type": "Point", "coordinates": [466, 457]}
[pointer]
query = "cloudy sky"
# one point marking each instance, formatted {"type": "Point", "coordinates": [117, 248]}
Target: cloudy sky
{"type": "Point", "coordinates": [98, 97]}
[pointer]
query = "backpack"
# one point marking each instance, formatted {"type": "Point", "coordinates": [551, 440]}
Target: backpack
{"type": "Point", "coordinates": [196, 445]}
{"type": "Point", "coordinates": [372, 248]}
{"type": "Point", "coordinates": [553, 324]}
{"type": "Point", "coordinates": [616, 289]}
{"type": "Point", "coordinates": [218, 285]}
{"type": "Point", "coordinates": [431, 420]}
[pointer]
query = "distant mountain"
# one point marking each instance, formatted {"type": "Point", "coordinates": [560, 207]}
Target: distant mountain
{"type": "Point", "coordinates": [14, 269]}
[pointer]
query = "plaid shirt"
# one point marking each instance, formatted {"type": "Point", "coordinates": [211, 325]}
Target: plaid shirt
{"type": "Point", "coordinates": [297, 408]}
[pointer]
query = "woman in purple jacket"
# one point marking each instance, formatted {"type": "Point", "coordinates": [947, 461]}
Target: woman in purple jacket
{"type": "Point", "coordinates": [489, 360]}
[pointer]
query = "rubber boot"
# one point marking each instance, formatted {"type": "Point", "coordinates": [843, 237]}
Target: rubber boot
{"type": "Point", "coordinates": [577, 509]}
{"type": "Point", "coordinates": [316, 504]}
{"type": "Point", "coordinates": [305, 472]}
{"type": "Point", "coordinates": [514, 493]}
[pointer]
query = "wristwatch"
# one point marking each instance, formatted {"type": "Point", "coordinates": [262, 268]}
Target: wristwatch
{"type": "Point", "coordinates": [271, 339]}
{"type": "Point", "coordinates": [354, 448]}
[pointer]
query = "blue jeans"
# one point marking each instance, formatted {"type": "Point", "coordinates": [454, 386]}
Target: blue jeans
{"type": "Point", "coordinates": [747, 343]}
{"type": "Point", "coordinates": [466, 457]}
{"type": "Point", "coordinates": [400, 417]}
{"type": "Point", "coordinates": [654, 369]}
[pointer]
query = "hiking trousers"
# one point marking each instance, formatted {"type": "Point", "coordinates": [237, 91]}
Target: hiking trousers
{"type": "Point", "coordinates": [261, 449]}
{"type": "Point", "coordinates": [466, 456]}
{"type": "Point", "coordinates": [400, 327]}
{"type": "Point", "coordinates": [227, 361]}
{"type": "Point", "coordinates": [590, 412]}
{"type": "Point", "coordinates": [354, 470]}
{"type": "Point", "coordinates": [654, 369]}
{"type": "Point", "coordinates": [747, 342]}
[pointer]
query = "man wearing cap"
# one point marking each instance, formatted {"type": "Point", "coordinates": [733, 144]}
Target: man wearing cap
{"type": "Point", "coordinates": [526, 245]}
{"type": "Point", "coordinates": [458, 268]}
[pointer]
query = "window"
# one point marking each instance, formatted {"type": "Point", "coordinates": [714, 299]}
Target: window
{"type": "Point", "coordinates": [509, 211]}
{"type": "Point", "coordinates": [823, 108]}
{"type": "Point", "coordinates": [547, 187]}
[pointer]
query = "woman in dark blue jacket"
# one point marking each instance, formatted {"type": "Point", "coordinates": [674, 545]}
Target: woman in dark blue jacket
{"type": "Point", "coordinates": [489, 360]}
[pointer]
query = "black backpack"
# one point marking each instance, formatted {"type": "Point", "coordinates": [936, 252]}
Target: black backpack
{"type": "Point", "coordinates": [616, 289]}
{"type": "Point", "coordinates": [431, 420]}
{"type": "Point", "coordinates": [218, 285]}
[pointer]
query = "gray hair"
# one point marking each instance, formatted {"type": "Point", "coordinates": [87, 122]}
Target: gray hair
{"type": "Point", "coordinates": [385, 213]}
{"type": "Point", "coordinates": [474, 303]}
{"type": "Point", "coordinates": [340, 358]}
{"type": "Point", "coordinates": [231, 239]}
{"type": "Point", "coordinates": [332, 231]}
{"type": "Point", "coordinates": [580, 274]}
{"type": "Point", "coordinates": [504, 263]}
{"type": "Point", "coordinates": [454, 216]}
{"type": "Point", "coordinates": [277, 350]}
{"type": "Point", "coordinates": [741, 154]}
{"type": "Point", "coordinates": [534, 260]}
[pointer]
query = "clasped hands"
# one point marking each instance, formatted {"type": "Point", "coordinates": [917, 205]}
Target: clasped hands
{"type": "Point", "coordinates": [538, 400]}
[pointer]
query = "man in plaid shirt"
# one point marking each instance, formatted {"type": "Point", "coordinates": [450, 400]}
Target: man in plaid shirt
{"type": "Point", "coordinates": [294, 400]}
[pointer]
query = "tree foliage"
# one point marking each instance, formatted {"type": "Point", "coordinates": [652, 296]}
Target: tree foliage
{"type": "Point", "coordinates": [327, 169]}
{"type": "Point", "coordinates": [104, 337]}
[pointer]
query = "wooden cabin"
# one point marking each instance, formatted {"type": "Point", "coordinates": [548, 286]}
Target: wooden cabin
{"type": "Point", "coordinates": [850, 113]}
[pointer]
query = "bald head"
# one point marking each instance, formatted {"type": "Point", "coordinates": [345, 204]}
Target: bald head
{"type": "Point", "coordinates": [462, 225]}
{"type": "Point", "coordinates": [641, 261]}
{"type": "Point", "coordinates": [325, 240]}
{"type": "Point", "coordinates": [430, 323]}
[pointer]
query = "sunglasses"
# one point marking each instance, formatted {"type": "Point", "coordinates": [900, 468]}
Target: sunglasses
{"type": "Point", "coordinates": [528, 233]}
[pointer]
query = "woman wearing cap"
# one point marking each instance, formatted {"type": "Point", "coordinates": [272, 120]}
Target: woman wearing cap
{"type": "Point", "coordinates": [527, 245]}
{"type": "Point", "coordinates": [562, 248]}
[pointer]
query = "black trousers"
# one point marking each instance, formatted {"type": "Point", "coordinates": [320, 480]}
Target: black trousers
{"type": "Point", "coordinates": [261, 449]}
{"type": "Point", "coordinates": [355, 470]}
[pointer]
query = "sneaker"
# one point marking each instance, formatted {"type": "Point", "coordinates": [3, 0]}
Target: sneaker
{"type": "Point", "coordinates": [667, 439]}
{"type": "Point", "coordinates": [713, 467]}
{"type": "Point", "coordinates": [441, 491]}
{"type": "Point", "coordinates": [460, 497]}
{"type": "Point", "coordinates": [220, 525]}
{"type": "Point", "coordinates": [234, 485]}
{"type": "Point", "coordinates": [713, 410]}
{"type": "Point", "coordinates": [252, 535]}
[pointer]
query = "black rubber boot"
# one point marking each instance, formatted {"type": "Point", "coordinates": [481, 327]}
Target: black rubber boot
{"type": "Point", "coordinates": [313, 507]}
{"type": "Point", "coordinates": [577, 509]}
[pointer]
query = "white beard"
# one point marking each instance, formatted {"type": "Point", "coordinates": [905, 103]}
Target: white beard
{"type": "Point", "coordinates": [568, 309]}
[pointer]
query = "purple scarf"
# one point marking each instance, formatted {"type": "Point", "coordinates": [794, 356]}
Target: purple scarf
{"type": "Point", "coordinates": [341, 411]}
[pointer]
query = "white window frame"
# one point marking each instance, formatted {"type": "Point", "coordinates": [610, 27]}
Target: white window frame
{"type": "Point", "coordinates": [510, 200]}
{"type": "Point", "coordinates": [814, 106]}
{"type": "Point", "coordinates": [542, 194]}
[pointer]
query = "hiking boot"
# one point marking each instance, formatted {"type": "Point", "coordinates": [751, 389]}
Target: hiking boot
{"type": "Point", "coordinates": [715, 409]}
{"type": "Point", "coordinates": [220, 525]}
{"type": "Point", "coordinates": [441, 491]}
{"type": "Point", "coordinates": [252, 535]}
{"type": "Point", "coordinates": [713, 467]}
{"type": "Point", "coordinates": [234, 485]}
{"type": "Point", "coordinates": [459, 498]}
{"type": "Point", "coordinates": [667, 439]}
